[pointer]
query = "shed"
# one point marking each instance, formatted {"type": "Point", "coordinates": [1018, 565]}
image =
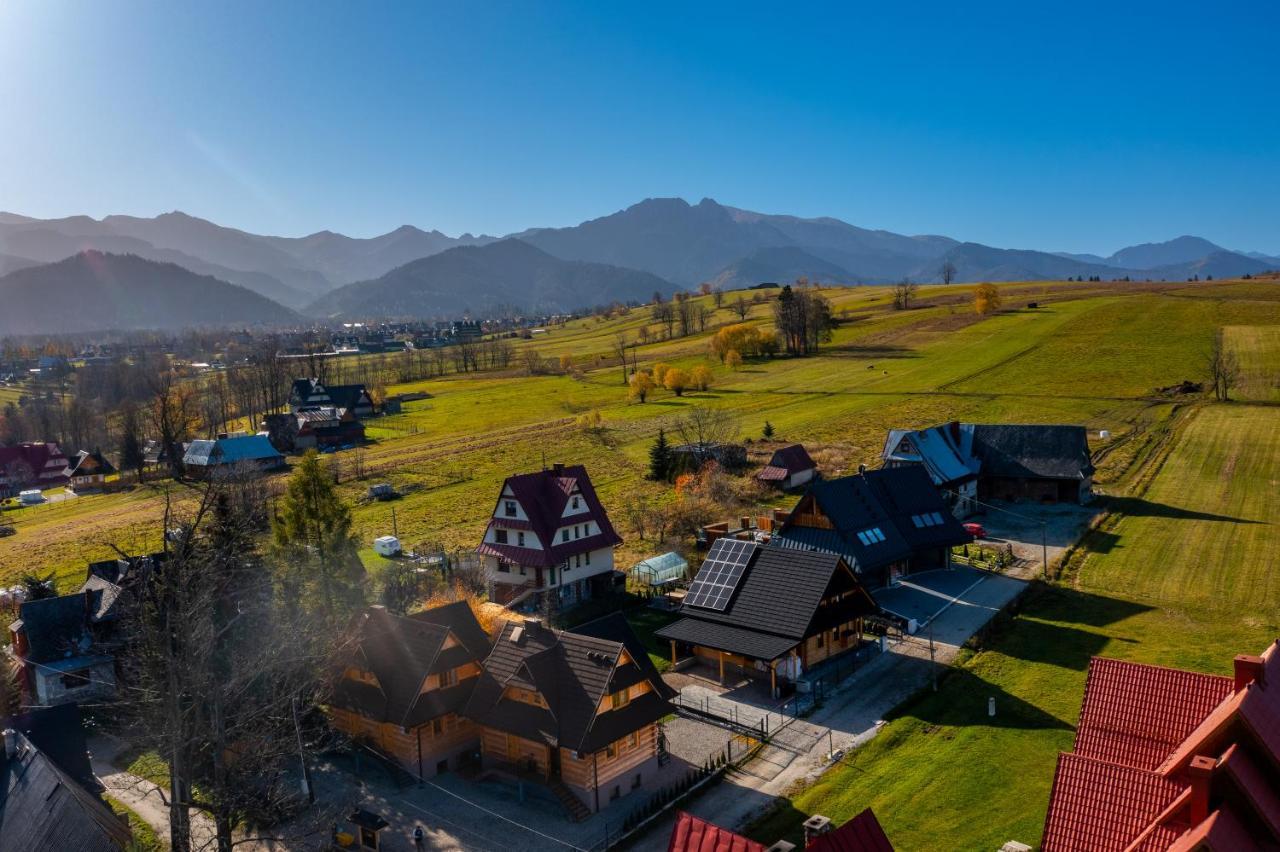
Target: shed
{"type": "Point", "coordinates": [666, 569]}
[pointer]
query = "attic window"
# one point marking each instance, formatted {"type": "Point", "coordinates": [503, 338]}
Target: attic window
{"type": "Point", "coordinates": [929, 519]}
{"type": "Point", "coordinates": [576, 502]}
{"type": "Point", "coordinates": [871, 536]}
{"type": "Point", "coordinates": [510, 508]}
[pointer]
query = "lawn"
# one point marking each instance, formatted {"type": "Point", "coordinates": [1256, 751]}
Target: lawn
{"type": "Point", "coordinates": [145, 838]}
{"type": "Point", "coordinates": [1182, 575]}
{"type": "Point", "coordinates": [1257, 350]}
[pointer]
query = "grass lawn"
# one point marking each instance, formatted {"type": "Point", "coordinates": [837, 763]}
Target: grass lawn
{"type": "Point", "coordinates": [1257, 349]}
{"type": "Point", "coordinates": [145, 838]}
{"type": "Point", "coordinates": [1182, 576]}
{"type": "Point", "coordinates": [644, 621]}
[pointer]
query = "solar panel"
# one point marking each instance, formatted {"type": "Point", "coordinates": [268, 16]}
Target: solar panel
{"type": "Point", "coordinates": [720, 574]}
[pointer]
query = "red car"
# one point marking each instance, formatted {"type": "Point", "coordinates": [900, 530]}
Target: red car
{"type": "Point", "coordinates": [976, 530]}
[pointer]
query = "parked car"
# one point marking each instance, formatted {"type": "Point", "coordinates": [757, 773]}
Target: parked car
{"type": "Point", "coordinates": [976, 530]}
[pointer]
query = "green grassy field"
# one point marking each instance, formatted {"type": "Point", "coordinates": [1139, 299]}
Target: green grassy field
{"type": "Point", "coordinates": [1257, 349]}
{"type": "Point", "coordinates": [1090, 353]}
{"type": "Point", "coordinates": [1180, 575]}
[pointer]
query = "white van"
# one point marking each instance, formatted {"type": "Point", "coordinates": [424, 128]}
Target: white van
{"type": "Point", "coordinates": [31, 497]}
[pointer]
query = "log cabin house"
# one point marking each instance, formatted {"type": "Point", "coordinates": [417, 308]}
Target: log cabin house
{"type": "Point", "coordinates": [577, 710]}
{"type": "Point", "coordinates": [885, 523]}
{"type": "Point", "coordinates": [549, 535]}
{"type": "Point", "coordinates": [769, 612]}
{"type": "Point", "coordinates": [406, 682]}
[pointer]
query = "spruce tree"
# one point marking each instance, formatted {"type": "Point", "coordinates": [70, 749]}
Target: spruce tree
{"type": "Point", "coordinates": [768, 430]}
{"type": "Point", "coordinates": [661, 460]}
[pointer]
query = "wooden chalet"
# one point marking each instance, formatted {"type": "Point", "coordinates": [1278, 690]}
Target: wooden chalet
{"type": "Point", "coordinates": [769, 612]}
{"type": "Point", "coordinates": [406, 682]}
{"type": "Point", "coordinates": [89, 471]}
{"type": "Point", "coordinates": [973, 461]}
{"type": "Point", "coordinates": [885, 523]}
{"type": "Point", "coordinates": [790, 467]}
{"type": "Point", "coordinates": [577, 710]}
{"type": "Point", "coordinates": [549, 535]}
{"type": "Point", "coordinates": [1167, 759]}
{"type": "Point", "coordinates": [312, 393]}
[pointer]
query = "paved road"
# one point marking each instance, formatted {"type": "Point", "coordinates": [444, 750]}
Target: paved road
{"type": "Point", "coordinates": [850, 716]}
{"type": "Point", "coordinates": [144, 798]}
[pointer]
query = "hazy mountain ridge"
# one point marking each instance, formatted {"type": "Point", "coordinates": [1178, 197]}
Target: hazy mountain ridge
{"type": "Point", "coordinates": [478, 279]}
{"type": "Point", "coordinates": [96, 291]}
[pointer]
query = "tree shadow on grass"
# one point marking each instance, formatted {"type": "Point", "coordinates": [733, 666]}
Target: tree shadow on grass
{"type": "Point", "coordinates": [963, 701]}
{"type": "Point", "coordinates": [1044, 632]}
{"type": "Point", "coordinates": [1138, 507]}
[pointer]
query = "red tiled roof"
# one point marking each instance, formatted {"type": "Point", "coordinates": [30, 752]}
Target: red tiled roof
{"type": "Point", "coordinates": [1099, 806]}
{"type": "Point", "coordinates": [860, 834]}
{"type": "Point", "coordinates": [771, 473]}
{"type": "Point", "coordinates": [692, 834]}
{"type": "Point", "coordinates": [1221, 832]}
{"type": "Point", "coordinates": [1136, 715]}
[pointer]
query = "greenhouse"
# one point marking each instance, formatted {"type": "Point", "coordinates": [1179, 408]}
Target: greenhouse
{"type": "Point", "coordinates": [665, 570]}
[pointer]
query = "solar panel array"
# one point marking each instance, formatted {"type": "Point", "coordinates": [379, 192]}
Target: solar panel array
{"type": "Point", "coordinates": [720, 574]}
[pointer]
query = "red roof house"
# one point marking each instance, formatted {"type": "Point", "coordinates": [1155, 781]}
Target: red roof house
{"type": "Point", "coordinates": [1171, 760]}
{"type": "Point", "coordinates": [860, 834]}
{"type": "Point", "coordinates": [31, 465]}
{"type": "Point", "coordinates": [692, 834]}
{"type": "Point", "coordinates": [789, 468]}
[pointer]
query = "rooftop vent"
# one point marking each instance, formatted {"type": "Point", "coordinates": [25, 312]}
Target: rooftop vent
{"type": "Point", "coordinates": [517, 634]}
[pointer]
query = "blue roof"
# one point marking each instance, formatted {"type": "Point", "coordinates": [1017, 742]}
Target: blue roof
{"type": "Point", "coordinates": [230, 450]}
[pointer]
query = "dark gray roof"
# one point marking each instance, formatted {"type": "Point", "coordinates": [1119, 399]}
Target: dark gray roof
{"type": "Point", "coordinates": [876, 499]}
{"type": "Point", "coordinates": [104, 599]}
{"type": "Point", "coordinates": [1033, 451]}
{"type": "Point", "coordinates": [573, 672]}
{"type": "Point", "coordinates": [776, 601]}
{"type": "Point", "coordinates": [401, 651]}
{"type": "Point", "coordinates": [56, 628]}
{"type": "Point", "coordinates": [44, 809]}
{"type": "Point", "coordinates": [58, 731]}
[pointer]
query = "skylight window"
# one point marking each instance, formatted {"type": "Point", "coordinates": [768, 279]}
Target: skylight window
{"type": "Point", "coordinates": [929, 519]}
{"type": "Point", "coordinates": [871, 536]}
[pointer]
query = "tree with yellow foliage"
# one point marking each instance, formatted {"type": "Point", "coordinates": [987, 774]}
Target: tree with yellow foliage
{"type": "Point", "coordinates": [566, 361]}
{"type": "Point", "coordinates": [732, 359]}
{"type": "Point", "coordinates": [660, 372]}
{"type": "Point", "coordinates": [701, 377]}
{"type": "Point", "coordinates": [677, 381]}
{"type": "Point", "coordinates": [986, 299]}
{"type": "Point", "coordinates": [640, 385]}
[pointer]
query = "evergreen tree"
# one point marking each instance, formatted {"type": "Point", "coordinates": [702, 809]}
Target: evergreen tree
{"type": "Point", "coordinates": [315, 546]}
{"type": "Point", "coordinates": [768, 431]}
{"type": "Point", "coordinates": [661, 459]}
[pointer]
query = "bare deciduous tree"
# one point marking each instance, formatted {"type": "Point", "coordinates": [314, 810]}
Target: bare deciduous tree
{"type": "Point", "coordinates": [1223, 368]}
{"type": "Point", "coordinates": [947, 272]}
{"type": "Point", "coordinates": [903, 292]}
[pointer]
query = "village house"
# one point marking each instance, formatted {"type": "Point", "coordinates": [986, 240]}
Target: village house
{"type": "Point", "coordinates": [406, 682]}
{"type": "Point", "coordinates": [1167, 759]}
{"type": "Point", "coordinates": [52, 639]}
{"type": "Point", "coordinates": [49, 796]}
{"type": "Point", "coordinates": [89, 471]}
{"type": "Point", "coordinates": [790, 467]}
{"type": "Point", "coordinates": [549, 535]}
{"type": "Point", "coordinates": [312, 393]}
{"type": "Point", "coordinates": [207, 457]}
{"type": "Point", "coordinates": [31, 465]}
{"type": "Point", "coordinates": [886, 524]}
{"type": "Point", "coordinates": [974, 461]}
{"type": "Point", "coordinates": [578, 711]}
{"type": "Point", "coordinates": [313, 428]}
{"type": "Point", "coordinates": [769, 613]}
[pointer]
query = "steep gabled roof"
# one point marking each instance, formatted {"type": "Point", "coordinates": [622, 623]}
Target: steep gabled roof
{"type": "Point", "coordinates": [544, 495]}
{"type": "Point", "coordinates": [1036, 450]}
{"type": "Point", "coordinates": [860, 834]}
{"type": "Point", "coordinates": [88, 463]}
{"type": "Point", "coordinates": [1103, 806]}
{"type": "Point", "coordinates": [1136, 715]}
{"type": "Point", "coordinates": [59, 732]}
{"type": "Point", "coordinates": [939, 448]}
{"type": "Point", "coordinates": [786, 461]}
{"type": "Point", "coordinates": [572, 672]}
{"type": "Point", "coordinates": [775, 603]}
{"type": "Point", "coordinates": [401, 651]}
{"type": "Point", "coordinates": [692, 834]}
{"type": "Point", "coordinates": [43, 807]}
{"type": "Point", "coordinates": [885, 500]}
{"type": "Point", "coordinates": [56, 628]}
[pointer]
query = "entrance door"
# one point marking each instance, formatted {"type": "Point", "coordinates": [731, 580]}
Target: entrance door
{"type": "Point", "coordinates": [553, 762]}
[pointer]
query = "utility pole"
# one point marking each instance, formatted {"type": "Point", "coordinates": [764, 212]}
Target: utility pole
{"type": "Point", "coordinates": [395, 530]}
{"type": "Point", "coordinates": [1044, 549]}
{"type": "Point", "coordinates": [933, 666]}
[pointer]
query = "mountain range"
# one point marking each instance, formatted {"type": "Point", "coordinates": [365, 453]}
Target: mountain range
{"type": "Point", "coordinates": [665, 244]}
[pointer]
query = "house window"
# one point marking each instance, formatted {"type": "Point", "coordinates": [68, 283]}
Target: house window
{"type": "Point", "coordinates": [575, 531]}
{"type": "Point", "coordinates": [635, 782]}
{"type": "Point", "coordinates": [564, 566]}
{"type": "Point", "coordinates": [551, 576]}
{"type": "Point", "coordinates": [510, 508]}
{"type": "Point", "coordinates": [500, 536]}
{"type": "Point", "coordinates": [520, 539]}
{"type": "Point", "coordinates": [610, 751]}
{"type": "Point", "coordinates": [437, 727]}
{"type": "Point", "coordinates": [575, 502]}
{"type": "Point", "coordinates": [620, 699]}
{"type": "Point", "coordinates": [504, 567]}
{"type": "Point", "coordinates": [449, 678]}
{"type": "Point", "coordinates": [871, 536]}
{"type": "Point", "coordinates": [822, 639]}
{"type": "Point", "coordinates": [633, 739]}
{"type": "Point", "coordinates": [577, 561]}
{"type": "Point", "coordinates": [588, 556]}
{"type": "Point", "coordinates": [564, 534]}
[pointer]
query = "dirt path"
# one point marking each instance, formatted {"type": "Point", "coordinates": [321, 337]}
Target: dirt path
{"type": "Point", "coordinates": [144, 798]}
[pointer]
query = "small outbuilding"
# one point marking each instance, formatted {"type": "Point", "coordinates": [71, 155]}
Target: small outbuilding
{"type": "Point", "coordinates": [661, 572]}
{"type": "Point", "coordinates": [386, 545]}
{"type": "Point", "coordinates": [790, 467]}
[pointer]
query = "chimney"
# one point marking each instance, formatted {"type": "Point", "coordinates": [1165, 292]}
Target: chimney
{"type": "Point", "coordinates": [1200, 771]}
{"type": "Point", "coordinates": [558, 468]}
{"type": "Point", "coordinates": [10, 743]}
{"type": "Point", "coordinates": [862, 470]}
{"type": "Point", "coordinates": [1249, 669]}
{"type": "Point", "coordinates": [814, 827]}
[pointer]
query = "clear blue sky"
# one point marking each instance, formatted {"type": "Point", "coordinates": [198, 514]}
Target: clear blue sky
{"type": "Point", "coordinates": [1065, 126]}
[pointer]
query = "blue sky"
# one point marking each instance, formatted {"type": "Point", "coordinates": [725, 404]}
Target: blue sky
{"type": "Point", "coordinates": [1062, 126]}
